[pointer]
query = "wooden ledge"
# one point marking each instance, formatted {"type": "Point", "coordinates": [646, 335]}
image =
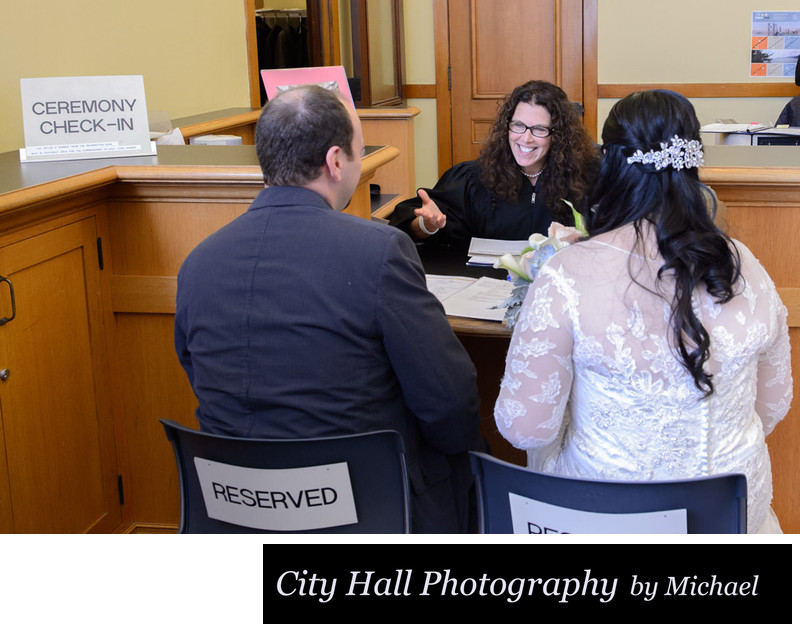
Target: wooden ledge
{"type": "Point", "coordinates": [216, 125]}
{"type": "Point", "coordinates": [776, 176]}
{"type": "Point", "coordinates": [387, 113]}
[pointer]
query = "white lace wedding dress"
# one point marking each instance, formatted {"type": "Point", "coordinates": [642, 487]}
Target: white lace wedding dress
{"type": "Point", "coordinates": [592, 388]}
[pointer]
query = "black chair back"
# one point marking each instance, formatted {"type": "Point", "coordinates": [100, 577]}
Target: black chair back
{"type": "Point", "coordinates": [712, 504]}
{"type": "Point", "coordinates": [349, 484]}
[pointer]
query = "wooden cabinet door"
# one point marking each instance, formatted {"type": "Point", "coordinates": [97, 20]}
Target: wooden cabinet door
{"type": "Point", "coordinates": [496, 46]}
{"type": "Point", "coordinates": [59, 460]}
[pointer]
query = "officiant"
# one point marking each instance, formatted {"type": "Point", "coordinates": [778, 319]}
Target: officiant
{"type": "Point", "coordinates": [537, 153]}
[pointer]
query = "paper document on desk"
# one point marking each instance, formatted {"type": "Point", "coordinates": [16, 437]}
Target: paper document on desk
{"type": "Point", "coordinates": [783, 131]}
{"type": "Point", "coordinates": [484, 252]}
{"type": "Point", "coordinates": [722, 128]}
{"type": "Point", "coordinates": [471, 298]}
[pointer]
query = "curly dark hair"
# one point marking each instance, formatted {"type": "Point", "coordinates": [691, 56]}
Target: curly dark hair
{"type": "Point", "coordinates": [295, 130]}
{"type": "Point", "coordinates": [570, 162]}
{"type": "Point", "coordinates": [681, 210]}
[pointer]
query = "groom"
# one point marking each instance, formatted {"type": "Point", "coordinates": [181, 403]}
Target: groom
{"type": "Point", "coordinates": [297, 320]}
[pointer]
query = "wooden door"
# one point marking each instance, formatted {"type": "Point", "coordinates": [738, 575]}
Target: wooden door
{"type": "Point", "coordinates": [59, 463]}
{"type": "Point", "coordinates": [496, 45]}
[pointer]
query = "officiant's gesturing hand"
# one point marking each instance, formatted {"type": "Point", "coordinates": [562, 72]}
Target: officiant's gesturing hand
{"type": "Point", "coordinates": [428, 213]}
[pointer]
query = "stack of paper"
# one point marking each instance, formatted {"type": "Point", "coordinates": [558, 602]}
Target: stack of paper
{"type": "Point", "coordinates": [485, 252]}
{"type": "Point", "coordinates": [471, 298]}
{"type": "Point", "coordinates": [727, 128]}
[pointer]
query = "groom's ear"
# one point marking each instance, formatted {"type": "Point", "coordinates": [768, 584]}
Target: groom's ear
{"type": "Point", "coordinates": [333, 163]}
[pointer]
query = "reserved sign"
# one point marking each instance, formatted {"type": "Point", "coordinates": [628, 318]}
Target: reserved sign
{"type": "Point", "coordinates": [67, 118]}
{"type": "Point", "coordinates": [536, 517]}
{"type": "Point", "coordinates": [296, 499]}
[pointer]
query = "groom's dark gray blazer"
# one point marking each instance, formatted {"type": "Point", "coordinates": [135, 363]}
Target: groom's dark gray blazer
{"type": "Point", "coordinates": [295, 320]}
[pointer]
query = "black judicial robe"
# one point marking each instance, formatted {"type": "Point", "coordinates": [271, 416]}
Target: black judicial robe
{"type": "Point", "coordinates": [472, 210]}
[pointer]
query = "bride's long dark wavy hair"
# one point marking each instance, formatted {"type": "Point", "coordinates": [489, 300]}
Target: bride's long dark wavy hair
{"type": "Point", "coordinates": [697, 254]}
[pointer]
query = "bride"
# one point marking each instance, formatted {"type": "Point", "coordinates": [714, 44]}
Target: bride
{"type": "Point", "coordinates": [658, 348]}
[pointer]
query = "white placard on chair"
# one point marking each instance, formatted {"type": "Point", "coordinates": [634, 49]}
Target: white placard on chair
{"type": "Point", "coordinates": [535, 517]}
{"type": "Point", "coordinates": [296, 499]}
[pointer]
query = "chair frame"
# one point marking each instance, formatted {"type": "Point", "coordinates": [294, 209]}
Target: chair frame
{"type": "Point", "coordinates": [714, 504]}
{"type": "Point", "coordinates": [372, 457]}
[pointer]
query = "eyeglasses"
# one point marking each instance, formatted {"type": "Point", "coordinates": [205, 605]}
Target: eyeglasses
{"type": "Point", "coordinates": [540, 131]}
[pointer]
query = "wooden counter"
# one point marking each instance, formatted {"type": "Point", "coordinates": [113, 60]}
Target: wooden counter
{"type": "Point", "coordinates": [393, 126]}
{"type": "Point", "coordinates": [763, 212]}
{"type": "Point", "coordinates": [92, 249]}
{"type": "Point", "coordinates": [93, 255]}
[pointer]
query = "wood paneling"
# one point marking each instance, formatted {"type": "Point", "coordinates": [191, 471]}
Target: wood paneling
{"type": "Point", "coordinates": [419, 91]}
{"type": "Point", "coordinates": [763, 212]}
{"type": "Point", "coordinates": [702, 90]}
{"type": "Point", "coordinates": [167, 224]}
{"type": "Point", "coordinates": [144, 294]}
{"type": "Point", "coordinates": [154, 386]}
{"type": "Point", "coordinates": [251, 41]}
{"type": "Point", "coordinates": [382, 125]}
{"type": "Point", "coordinates": [58, 430]}
{"type": "Point", "coordinates": [441, 44]}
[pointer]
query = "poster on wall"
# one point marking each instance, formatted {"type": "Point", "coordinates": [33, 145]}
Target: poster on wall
{"type": "Point", "coordinates": [775, 43]}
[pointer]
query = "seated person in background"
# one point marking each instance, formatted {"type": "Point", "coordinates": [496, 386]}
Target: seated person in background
{"type": "Point", "coordinates": [537, 153]}
{"type": "Point", "coordinates": [298, 320]}
{"type": "Point", "coordinates": [790, 115]}
{"type": "Point", "coordinates": [658, 348]}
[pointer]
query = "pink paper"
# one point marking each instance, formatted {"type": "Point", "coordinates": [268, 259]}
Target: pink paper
{"type": "Point", "coordinates": [326, 76]}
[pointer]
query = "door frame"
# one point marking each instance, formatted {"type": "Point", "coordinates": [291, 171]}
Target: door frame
{"type": "Point", "coordinates": [441, 33]}
{"type": "Point", "coordinates": [323, 33]}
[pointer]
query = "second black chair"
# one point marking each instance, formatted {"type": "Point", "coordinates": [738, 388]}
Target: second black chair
{"type": "Point", "coordinates": [510, 495]}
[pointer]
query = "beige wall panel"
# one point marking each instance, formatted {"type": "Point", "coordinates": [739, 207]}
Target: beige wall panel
{"type": "Point", "coordinates": [682, 41]}
{"type": "Point", "coordinates": [192, 55]}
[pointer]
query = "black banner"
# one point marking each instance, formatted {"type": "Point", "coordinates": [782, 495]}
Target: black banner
{"type": "Point", "coordinates": [528, 583]}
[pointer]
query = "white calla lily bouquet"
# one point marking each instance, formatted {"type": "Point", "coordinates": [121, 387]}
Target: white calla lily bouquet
{"type": "Point", "coordinates": [524, 268]}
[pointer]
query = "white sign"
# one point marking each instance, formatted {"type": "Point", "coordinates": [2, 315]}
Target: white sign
{"type": "Point", "coordinates": [67, 118]}
{"type": "Point", "coordinates": [535, 517]}
{"type": "Point", "coordinates": [296, 499]}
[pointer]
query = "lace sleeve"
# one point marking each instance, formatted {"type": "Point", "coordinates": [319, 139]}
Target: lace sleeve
{"type": "Point", "coordinates": [774, 394]}
{"type": "Point", "coordinates": [538, 375]}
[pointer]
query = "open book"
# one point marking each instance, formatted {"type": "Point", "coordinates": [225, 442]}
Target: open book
{"type": "Point", "coordinates": [471, 298]}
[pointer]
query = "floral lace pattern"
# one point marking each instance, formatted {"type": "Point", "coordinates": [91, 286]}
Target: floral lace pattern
{"type": "Point", "coordinates": [593, 389]}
